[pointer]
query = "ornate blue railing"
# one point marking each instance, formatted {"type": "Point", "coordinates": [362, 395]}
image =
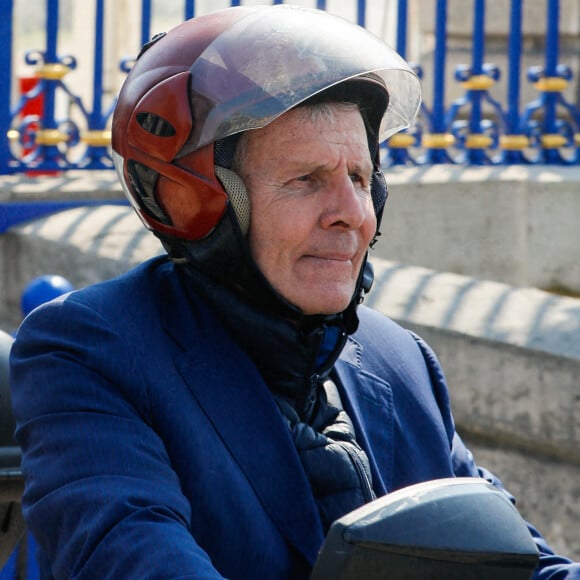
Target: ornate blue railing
{"type": "Point", "coordinates": [476, 128]}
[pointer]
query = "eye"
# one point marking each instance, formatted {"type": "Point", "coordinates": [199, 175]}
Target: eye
{"type": "Point", "coordinates": [361, 180]}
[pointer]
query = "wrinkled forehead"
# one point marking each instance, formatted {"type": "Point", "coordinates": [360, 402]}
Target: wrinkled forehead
{"type": "Point", "coordinates": [306, 138]}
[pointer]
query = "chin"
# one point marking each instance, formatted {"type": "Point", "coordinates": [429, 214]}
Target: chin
{"type": "Point", "coordinates": [324, 299]}
{"type": "Point", "coordinates": [324, 307]}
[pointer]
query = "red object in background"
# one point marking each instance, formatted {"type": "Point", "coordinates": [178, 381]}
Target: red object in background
{"type": "Point", "coordinates": [33, 107]}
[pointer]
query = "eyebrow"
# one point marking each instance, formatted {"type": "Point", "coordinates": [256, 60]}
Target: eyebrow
{"type": "Point", "coordinates": [311, 166]}
{"type": "Point", "coordinates": [366, 168]}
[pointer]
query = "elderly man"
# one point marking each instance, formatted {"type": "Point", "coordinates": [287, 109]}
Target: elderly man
{"type": "Point", "coordinates": [212, 412]}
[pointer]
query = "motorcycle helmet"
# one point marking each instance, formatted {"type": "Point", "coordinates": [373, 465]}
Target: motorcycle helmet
{"type": "Point", "coordinates": [194, 90]}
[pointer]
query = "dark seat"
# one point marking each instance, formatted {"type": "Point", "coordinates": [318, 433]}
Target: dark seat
{"type": "Point", "coordinates": [11, 481]}
{"type": "Point", "coordinates": [9, 451]}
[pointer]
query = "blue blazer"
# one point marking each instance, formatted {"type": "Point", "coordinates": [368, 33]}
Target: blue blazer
{"type": "Point", "coordinates": [153, 449]}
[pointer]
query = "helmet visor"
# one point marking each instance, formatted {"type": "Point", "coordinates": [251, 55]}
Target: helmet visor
{"type": "Point", "coordinates": [277, 57]}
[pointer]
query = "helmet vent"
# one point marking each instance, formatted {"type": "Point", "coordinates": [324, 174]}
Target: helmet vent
{"type": "Point", "coordinates": [143, 180]}
{"type": "Point", "coordinates": [237, 194]}
{"type": "Point", "coordinates": [155, 125]}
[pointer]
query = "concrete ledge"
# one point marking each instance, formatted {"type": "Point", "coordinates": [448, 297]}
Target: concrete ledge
{"type": "Point", "coordinates": [512, 360]}
{"type": "Point", "coordinates": [85, 245]}
{"type": "Point", "coordinates": [517, 224]}
{"type": "Point", "coordinates": [69, 185]}
{"type": "Point", "coordinates": [514, 224]}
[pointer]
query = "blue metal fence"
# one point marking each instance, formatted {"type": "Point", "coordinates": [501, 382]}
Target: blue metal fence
{"type": "Point", "coordinates": [479, 127]}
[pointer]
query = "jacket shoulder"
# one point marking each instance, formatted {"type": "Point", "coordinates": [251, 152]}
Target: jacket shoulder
{"type": "Point", "coordinates": [383, 340]}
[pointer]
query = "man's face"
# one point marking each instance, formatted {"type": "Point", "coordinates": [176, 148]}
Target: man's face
{"type": "Point", "coordinates": [312, 218]}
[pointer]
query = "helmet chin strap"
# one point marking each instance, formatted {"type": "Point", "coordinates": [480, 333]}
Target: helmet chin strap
{"type": "Point", "coordinates": [368, 277]}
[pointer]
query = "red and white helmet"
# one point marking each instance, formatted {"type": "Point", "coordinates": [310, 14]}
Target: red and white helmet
{"type": "Point", "coordinates": [237, 69]}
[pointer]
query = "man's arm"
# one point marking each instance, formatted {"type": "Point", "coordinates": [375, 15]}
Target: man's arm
{"type": "Point", "coordinates": [550, 565]}
{"type": "Point", "coordinates": [101, 496]}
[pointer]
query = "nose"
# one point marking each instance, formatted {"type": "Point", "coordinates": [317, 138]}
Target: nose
{"type": "Point", "coordinates": [347, 205]}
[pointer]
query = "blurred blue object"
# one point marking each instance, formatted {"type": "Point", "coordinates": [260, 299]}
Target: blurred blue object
{"type": "Point", "coordinates": [43, 289]}
{"type": "Point", "coordinates": [22, 564]}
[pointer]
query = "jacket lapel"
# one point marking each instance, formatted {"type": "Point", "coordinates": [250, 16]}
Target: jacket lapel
{"type": "Point", "coordinates": [368, 400]}
{"type": "Point", "coordinates": [234, 397]}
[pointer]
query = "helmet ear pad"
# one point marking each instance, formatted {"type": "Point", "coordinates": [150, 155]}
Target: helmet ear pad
{"type": "Point", "coordinates": [237, 194]}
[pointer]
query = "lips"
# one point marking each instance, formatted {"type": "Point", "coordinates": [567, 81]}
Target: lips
{"type": "Point", "coordinates": [336, 259]}
{"type": "Point", "coordinates": [331, 263]}
{"type": "Point", "coordinates": [332, 257]}
{"type": "Point", "coordinates": [340, 254]}
{"type": "Point", "coordinates": [347, 251]}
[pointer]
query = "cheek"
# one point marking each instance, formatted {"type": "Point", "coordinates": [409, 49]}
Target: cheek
{"type": "Point", "coordinates": [277, 234]}
{"type": "Point", "coordinates": [266, 236]}
{"type": "Point", "coordinates": [369, 227]}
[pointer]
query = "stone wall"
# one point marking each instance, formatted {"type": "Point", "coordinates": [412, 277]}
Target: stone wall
{"type": "Point", "coordinates": [517, 224]}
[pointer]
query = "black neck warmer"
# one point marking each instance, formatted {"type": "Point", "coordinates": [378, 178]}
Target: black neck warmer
{"type": "Point", "coordinates": [292, 356]}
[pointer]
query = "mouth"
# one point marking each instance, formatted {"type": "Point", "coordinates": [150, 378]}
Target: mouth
{"type": "Point", "coordinates": [330, 262]}
{"type": "Point", "coordinates": [334, 257]}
